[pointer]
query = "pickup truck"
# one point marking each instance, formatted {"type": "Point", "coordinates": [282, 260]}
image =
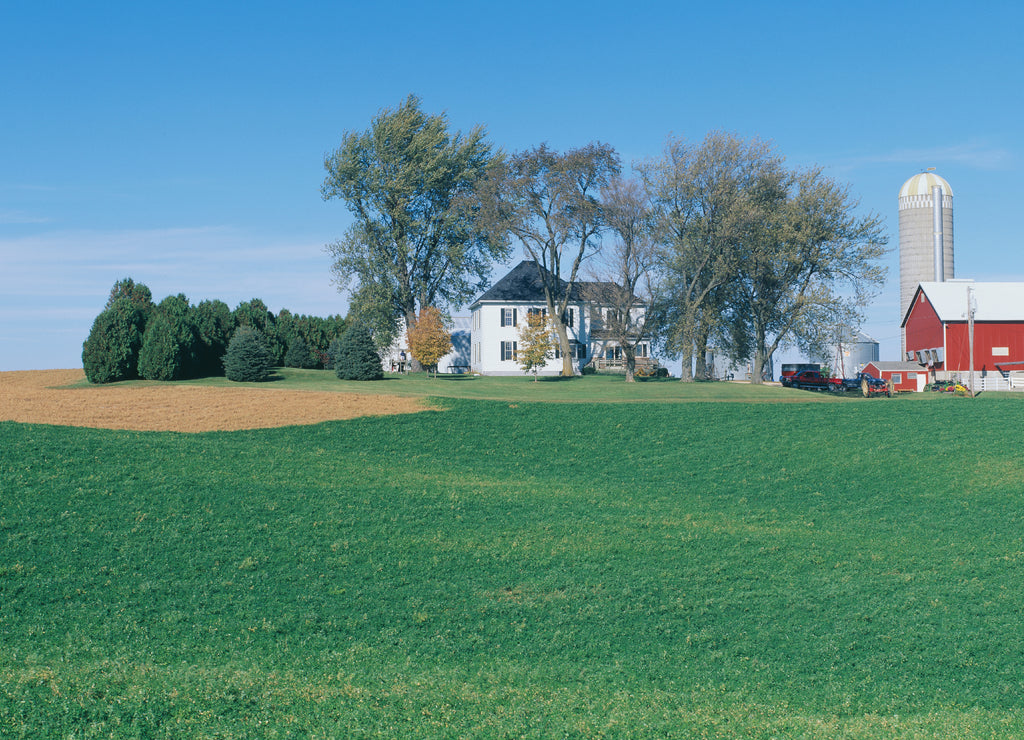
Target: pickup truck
{"type": "Point", "coordinates": [812, 380]}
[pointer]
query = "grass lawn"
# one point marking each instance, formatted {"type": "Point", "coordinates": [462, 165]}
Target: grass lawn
{"type": "Point", "coordinates": [501, 568]}
{"type": "Point", "coordinates": [602, 388]}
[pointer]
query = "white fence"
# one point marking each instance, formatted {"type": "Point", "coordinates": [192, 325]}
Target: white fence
{"type": "Point", "coordinates": [994, 382]}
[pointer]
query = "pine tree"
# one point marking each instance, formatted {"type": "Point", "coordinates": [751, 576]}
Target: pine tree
{"type": "Point", "coordinates": [298, 355]}
{"type": "Point", "coordinates": [247, 359]}
{"type": "Point", "coordinates": [354, 355]}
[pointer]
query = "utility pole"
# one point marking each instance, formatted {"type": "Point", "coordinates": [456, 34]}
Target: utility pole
{"type": "Point", "coordinates": [970, 335]}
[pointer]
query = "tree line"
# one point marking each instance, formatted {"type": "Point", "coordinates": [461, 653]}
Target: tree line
{"type": "Point", "coordinates": [716, 243]}
{"type": "Point", "coordinates": [133, 337]}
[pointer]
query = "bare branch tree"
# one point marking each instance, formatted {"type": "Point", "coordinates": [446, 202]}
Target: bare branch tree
{"type": "Point", "coordinates": [809, 265]}
{"type": "Point", "coordinates": [701, 219]}
{"type": "Point", "coordinates": [548, 202]}
{"type": "Point", "coordinates": [623, 290]}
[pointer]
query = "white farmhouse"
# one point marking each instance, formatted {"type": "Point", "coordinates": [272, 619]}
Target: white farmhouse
{"type": "Point", "coordinates": [498, 314]}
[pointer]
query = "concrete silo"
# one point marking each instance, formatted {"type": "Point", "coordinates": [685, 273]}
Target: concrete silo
{"type": "Point", "coordinates": [926, 236]}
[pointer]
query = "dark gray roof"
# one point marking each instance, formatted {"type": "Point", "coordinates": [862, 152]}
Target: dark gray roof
{"type": "Point", "coordinates": [523, 284]}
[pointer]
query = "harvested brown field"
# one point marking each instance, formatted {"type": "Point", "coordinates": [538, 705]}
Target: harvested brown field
{"type": "Point", "coordinates": [37, 397]}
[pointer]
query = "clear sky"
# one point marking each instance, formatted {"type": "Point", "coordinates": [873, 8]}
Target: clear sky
{"type": "Point", "coordinates": [182, 144]}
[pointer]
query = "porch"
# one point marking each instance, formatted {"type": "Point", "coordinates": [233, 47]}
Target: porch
{"type": "Point", "coordinates": [643, 366]}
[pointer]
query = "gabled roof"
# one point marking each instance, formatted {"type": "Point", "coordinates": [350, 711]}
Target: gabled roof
{"type": "Point", "coordinates": [523, 284]}
{"type": "Point", "coordinates": [994, 301]}
{"type": "Point", "coordinates": [888, 366]}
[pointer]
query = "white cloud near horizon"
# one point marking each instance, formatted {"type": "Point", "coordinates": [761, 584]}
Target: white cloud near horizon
{"type": "Point", "coordinates": [976, 154]}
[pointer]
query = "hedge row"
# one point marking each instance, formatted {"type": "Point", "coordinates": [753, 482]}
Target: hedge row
{"type": "Point", "coordinates": [172, 340]}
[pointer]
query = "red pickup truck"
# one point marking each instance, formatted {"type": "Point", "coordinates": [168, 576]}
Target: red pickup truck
{"type": "Point", "coordinates": [812, 380]}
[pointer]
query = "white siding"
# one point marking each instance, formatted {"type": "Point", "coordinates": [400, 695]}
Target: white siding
{"type": "Point", "coordinates": [488, 334]}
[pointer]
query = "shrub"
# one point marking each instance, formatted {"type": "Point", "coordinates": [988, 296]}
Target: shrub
{"type": "Point", "coordinates": [354, 355]}
{"type": "Point", "coordinates": [247, 359]}
{"type": "Point", "coordinates": [111, 352]}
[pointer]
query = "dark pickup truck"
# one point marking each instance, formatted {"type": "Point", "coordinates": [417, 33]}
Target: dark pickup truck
{"type": "Point", "coordinates": [812, 380]}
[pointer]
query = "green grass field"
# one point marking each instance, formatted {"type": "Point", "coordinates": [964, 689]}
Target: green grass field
{"type": "Point", "coordinates": [502, 568]}
{"type": "Point", "coordinates": [608, 388]}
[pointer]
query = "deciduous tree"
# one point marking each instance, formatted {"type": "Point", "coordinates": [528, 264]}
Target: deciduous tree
{"type": "Point", "coordinates": [536, 345]}
{"type": "Point", "coordinates": [416, 240]}
{"type": "Point", "coordinates": [429, 339]}
{"type": "Point", "coordinates": [808, 265]}
{"type": "Point", "coordinates": [623, 288]}
{"type": "Point", "coordinates": [547, 201]}
{"type": "Point", "coordinates": [702, 218]}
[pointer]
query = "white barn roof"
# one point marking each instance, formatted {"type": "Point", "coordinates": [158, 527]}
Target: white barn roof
{"type": "Point", "coordinates": [994, 301]}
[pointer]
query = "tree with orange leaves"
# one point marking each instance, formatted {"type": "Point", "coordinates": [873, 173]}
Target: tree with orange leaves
{"type": "Point", "coordinates": [429, 339]}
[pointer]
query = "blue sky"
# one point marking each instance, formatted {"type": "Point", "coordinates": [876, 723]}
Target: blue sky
{"type": "Point", "coordinates": [182, 144]}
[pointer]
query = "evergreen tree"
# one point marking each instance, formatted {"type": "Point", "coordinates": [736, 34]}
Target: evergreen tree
{"type": "Point", "coordinates": [169, 344]}
{"type": "Point", "coordinates": [213, 325]}
{"type": "Point", "coordinates": [247, 359]}
{"type": "Point", "coordinates": [111, 352]}
{"type": "Point", "coordinates": [298, 355]}
{"type": "Point", "coordinates": [161, 355]}
{"type": "Point", "coordinates": [354, 356]}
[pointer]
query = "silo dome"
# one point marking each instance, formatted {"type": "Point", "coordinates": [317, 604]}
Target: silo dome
{"type": "Point", "coordinates": [922, 184]}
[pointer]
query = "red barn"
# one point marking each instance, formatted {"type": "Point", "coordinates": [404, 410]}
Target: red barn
{"type": "Point", "coordinates": [938, 332]}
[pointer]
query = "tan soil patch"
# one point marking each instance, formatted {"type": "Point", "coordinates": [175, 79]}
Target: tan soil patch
{"type": "Point", "coordinates": [32, 397]}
